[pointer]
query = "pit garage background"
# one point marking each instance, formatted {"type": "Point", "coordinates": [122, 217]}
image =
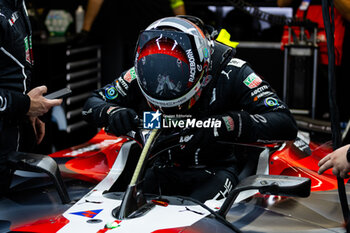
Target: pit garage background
{"type": "Point", "coordinates": [62, 61]}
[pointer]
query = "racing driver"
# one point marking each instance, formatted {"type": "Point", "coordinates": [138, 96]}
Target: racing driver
{"type": "Point", "coordinates": [180, 69]}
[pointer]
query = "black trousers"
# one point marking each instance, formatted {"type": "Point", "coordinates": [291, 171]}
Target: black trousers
{"type": "Point", "coordinates": [198, 183]}
{"type": "Point", "coordinates": [9, 140]}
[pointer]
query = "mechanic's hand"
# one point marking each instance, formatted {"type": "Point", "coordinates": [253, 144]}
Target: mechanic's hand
{"type": "Point", "coordinates": [39, 128]}
{"type": "Point", "coordinates": [336, 160]}
{"type": "Point", "coordinates": [121, 120]}
{"type": "Point", "coordinates": [39, 105]}
{"type": "Point", "coordinates": [191, 139]}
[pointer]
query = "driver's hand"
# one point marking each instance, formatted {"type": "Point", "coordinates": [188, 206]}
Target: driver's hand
{"type": "Point", "coordinates": [121, 120]}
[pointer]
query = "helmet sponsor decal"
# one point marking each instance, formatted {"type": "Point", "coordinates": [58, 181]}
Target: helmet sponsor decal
{"type": "Point", "coordinates": [252, 81]}
{"type": "Point", "coordinates": [179, 63]}
{"type": "Point", "coordinates": [182, 25]}
{"type": "Point", "coordinates": [206, 80]}
{"type": "Point", "coordinates": [194, 99]}
{"type": "Point", "coordinates": [206, 53]}
{"type": "Point", "coordinates": [192, 65]}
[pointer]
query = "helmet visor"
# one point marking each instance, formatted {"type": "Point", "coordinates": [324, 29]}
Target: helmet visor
{"type": "Point", "coordinates": [168, 70]}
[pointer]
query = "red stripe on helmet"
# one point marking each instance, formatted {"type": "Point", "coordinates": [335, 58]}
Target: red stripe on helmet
{"type": "Point", "coordinates": [163, 46]}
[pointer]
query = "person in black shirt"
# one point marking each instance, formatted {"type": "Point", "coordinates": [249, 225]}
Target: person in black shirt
{"type": "Point", "coordinates": [180, 69]}
{"type": "Point", "coordinates": [17, 101]}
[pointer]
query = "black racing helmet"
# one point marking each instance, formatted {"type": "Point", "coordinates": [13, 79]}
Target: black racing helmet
{"type": "Point", "coordinates": [172, 63]}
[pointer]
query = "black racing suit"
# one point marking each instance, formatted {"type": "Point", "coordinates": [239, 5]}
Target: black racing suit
{"type": "Point", "coordinates": [235, 90]}
{"type": "Point", "coordinates": [15, 73]}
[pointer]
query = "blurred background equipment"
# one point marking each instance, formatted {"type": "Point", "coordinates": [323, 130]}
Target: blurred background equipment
{"type": "Point", "coordinates": [57, 22]}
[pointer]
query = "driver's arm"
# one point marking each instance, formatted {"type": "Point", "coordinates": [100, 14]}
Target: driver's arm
{"type": "Point", "coordinates": [121, 93]}
{"type": "Point", "coordinates": [263, 116]}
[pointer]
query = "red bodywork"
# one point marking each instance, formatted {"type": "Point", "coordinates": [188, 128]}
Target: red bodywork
{"type": "Point", "coordinates": [48, 225]}
{"type": "Point", "coordinates": [91, 161]}
{"type": "Point", "coordinates": [291, 161]}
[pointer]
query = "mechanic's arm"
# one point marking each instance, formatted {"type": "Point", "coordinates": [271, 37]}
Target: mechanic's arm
{"type": "Point", "coordinates": [110, 106]}
{"type": "Point", "coordinates": [93, 8]}
{"type": "Point", "coordinates": [338, 160]}
{"type": "Point", "coordinates": [264, 117]}
{"type": "Point", "coordinates": [343, 7]}
{"type": "Point", "coordinates": [13, 105]}
{"type": "Point", "coordinates": [284, 3]}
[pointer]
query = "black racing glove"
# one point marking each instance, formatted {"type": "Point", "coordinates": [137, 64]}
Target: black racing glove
{"type": "Point", "coordinates": [121, 121]}
{"type": "Point", "coordinates": [194, 138]}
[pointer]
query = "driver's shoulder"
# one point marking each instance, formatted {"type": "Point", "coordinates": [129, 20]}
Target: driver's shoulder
{"type": "Point", "coordinates": [129, 76]}
{"type": "Point", "coordinates": [234, 71]}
